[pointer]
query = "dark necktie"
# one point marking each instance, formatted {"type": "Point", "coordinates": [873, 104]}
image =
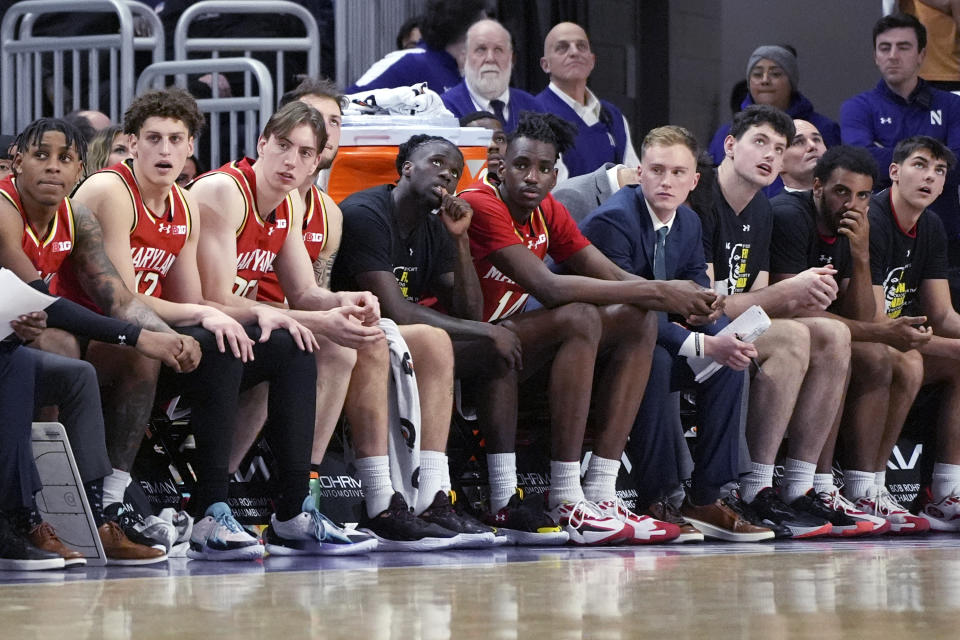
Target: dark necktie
{"type": "Point", "coordinates": [659, 254]}
{"type": "Point", "coordinates": [497, 106]}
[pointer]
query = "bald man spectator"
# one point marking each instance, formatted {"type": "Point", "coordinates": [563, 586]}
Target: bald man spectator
{"type": "Point", "coordinates": [603, 133]}
{"type": "Point", "coordinates": [800, 158]}
{"type": "Point", "coordinates": [486, 77]}
{"type": "Point", "coordinates": [773, 78]}
{"type": "Point", "coordinates": [439, 56]}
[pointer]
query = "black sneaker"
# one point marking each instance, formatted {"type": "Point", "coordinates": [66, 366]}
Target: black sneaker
{"type": "Point", "coordinates": [771, 510]}
{"type": "Point", "coordinates": [526, 523]}
{"type": "Point", "coordinates": [741, 508]}
{"type": "Point", "coordinates": [472, 532]}
{"type": "Point", "coordinates": [841, 524]}
{"type": "Point", "coordinates": [158, 533]}
{"type": "Point", "coordinates": [17, 554]}
{"type": "Point", "coordinates": [397, 529]}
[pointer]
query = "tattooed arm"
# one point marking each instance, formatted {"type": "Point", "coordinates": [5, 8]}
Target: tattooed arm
{"type": "Point", "coordinates": [323, 265]}
{"type": "Point", "coordinates": [100, 279]}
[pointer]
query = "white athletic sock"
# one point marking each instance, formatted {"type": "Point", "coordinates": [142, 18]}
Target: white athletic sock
{"type": "Point", "coordinates": [856, 484]}
{"type": "Point", "coordinates": [601, 481]}
{"type": "Point", "coordinates": [445, 485]}
{"type": "Point", "coordinates": [374, 475]}
{"type": "Point", "coordinates": [502, 473]}
{"type": "Point", "coordinates": [758, 478]}
{"type": "Point", "coordinates": [823, 483]}
{"type": "Point", "coordinates": [797, 479]}
{"type": "Point", "coordinates": [431, 470]}
{"type": "Point", "coordinates": [946, 480]}
{"type": "Point", "coordinates": [564, 483]}
{"type": "Point", "coordinates": [114, 486]}
{"type": "Point", "coordinates": [880, 479]}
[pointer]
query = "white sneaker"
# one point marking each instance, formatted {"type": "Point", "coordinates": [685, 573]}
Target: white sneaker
{"type": "Point", "coordinates": [585, 525]}
{"type": "Point", "coordinates": [943, 515]}
{"type": "Point", "coordinates": [312, 533]}
{"type": "Point", "coordinates": [183, 525]}
{"type": "Point", "coordinates": [218, 536]}
{"type": "Point", "coordinates": [879, 502]}
{"type": "Point", "coordinates": [646, 530]}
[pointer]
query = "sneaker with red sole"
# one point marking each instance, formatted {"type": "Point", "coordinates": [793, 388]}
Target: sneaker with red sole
{"type": "Point", "coordinates": [585, 525]}
{"type": "Point", "coordinates": [943, 515]}
{"type": "Point", "coordinates": [879, 502]}
{"type": "Point", "coordinates": [833, 499]}
{"type": "Point", "coordinates": [842, 524]}
{"type": "Point", "coordinates": [646, 530]}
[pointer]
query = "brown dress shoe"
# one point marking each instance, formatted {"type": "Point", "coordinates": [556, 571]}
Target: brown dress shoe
{"type": "Point", "coordinates": [721, 520]}
{"type": "Point", "coordinates": [664, 511]}
{"type": "Point", "coordinates": [44, 537]}
{"type": "Point", "coordinates": [121, 551]}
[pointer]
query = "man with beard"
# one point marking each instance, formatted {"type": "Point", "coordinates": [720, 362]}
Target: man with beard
{"type": "Point", "coordinates": [828, 226]}
{"type": "Point", "coordinates": [486, 77]}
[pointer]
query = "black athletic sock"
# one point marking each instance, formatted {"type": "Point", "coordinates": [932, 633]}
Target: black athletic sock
{"type": "Point", "coordinates": [94, 491]}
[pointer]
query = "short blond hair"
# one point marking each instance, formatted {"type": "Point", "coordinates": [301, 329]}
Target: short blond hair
{"type": "Point", "coordinates": [669, 136]}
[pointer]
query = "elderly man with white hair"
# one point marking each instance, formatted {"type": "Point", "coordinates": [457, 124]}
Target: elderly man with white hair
{"type": "Point", "coordinates": [486, 77]}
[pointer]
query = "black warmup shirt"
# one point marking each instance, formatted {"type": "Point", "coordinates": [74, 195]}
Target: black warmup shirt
{"type": "Point", "coordinates": [900, 260]}
{"type": "Point", "coordinates": [737, 245]}
{"type": "Point", "coordinates": [372, 242]}
{"type": "Point", "coordinates": [797, 244]}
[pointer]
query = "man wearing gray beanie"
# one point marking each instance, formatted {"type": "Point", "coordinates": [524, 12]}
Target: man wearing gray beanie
{"type": "Point", "coordinates": [773, 78]}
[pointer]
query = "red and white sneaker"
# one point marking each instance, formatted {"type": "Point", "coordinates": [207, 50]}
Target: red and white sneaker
{"type": "Point", "coordinates": [587, 526]}
{"type": "Point", "coordinates": [646, 530]}
{"type": "Point", "coordinates": [943, 515]}
{"type": "Point", "coordinates": [875, 525]}
{"type": "Point", "coordinates": [879, 502]}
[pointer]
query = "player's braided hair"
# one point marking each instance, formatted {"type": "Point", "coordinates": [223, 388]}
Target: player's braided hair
{"type": "Point", "coordinates": [407, 148]}
{"type": "Point", "coordinates": [545, 127]}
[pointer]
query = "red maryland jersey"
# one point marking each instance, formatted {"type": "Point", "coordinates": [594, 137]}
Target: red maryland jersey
{"type": "Point", "coordinates": [259, 238]}
{"type": "Point", "coordinates": [155, 239]}
{"type": "Point", "coordinates": [46, 251]}
{"type": "Point", "coordinates": [550, 229]}
{"type": "Point", "coordinates": [314, 239]}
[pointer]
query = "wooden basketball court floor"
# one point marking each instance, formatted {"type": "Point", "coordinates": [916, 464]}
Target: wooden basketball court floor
{"type": "Point", "coordinates": [875, 588]}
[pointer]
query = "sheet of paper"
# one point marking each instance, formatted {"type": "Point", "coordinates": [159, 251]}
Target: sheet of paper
{"type": "Point", "coordinates": [749, 326]}
{"type": "Point", "coordinates": [18, 298]}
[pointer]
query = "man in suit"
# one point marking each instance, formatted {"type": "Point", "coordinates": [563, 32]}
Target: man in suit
{"type": "Point", "coordinates": [486, 77]}
{"type": "Point", "coordinates": [583, 194]}
{"type": "Point", "coordinates": [646, 231]}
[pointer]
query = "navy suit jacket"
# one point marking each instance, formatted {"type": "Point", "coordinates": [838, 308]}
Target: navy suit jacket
{"type": "Point", "coordinates": [622, 230]}
{"type": "Point", "coordinates": [458, 100]}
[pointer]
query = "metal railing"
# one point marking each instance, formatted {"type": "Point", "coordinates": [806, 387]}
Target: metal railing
{"type": "Point", "coordinates": [256, 108]}
{"type": "Point", "coordinates": [32, 68]}
{"type": "Point", "coordinates": [183, 45]}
